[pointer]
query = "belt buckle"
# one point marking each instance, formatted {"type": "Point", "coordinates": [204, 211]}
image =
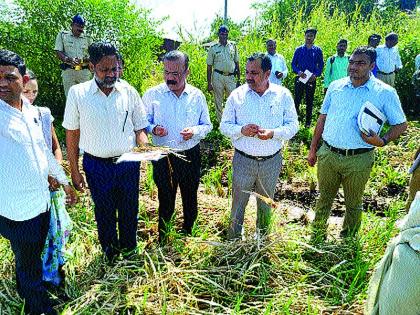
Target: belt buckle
{"type": "Point", "coordinates": [349, 152]}
{"type": "Point", "coordinates": [259, 158]}
{"type": "Point", "coordinates": [77, 67]}
{"type": "Point", "coordinates": [225, 73]}
{"type": "Point", "coordinates": [115, 159]}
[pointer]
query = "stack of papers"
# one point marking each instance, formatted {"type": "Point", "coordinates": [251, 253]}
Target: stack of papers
{"type": "Point", "coordinates": [143, 156]}
{"type": "Point", "coordinates": [308, 75]}
{"type": "Point", "coordinates": [370, 118]}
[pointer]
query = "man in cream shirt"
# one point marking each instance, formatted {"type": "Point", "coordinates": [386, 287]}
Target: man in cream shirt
{"type": "Point", "coordinates": [105, 119]}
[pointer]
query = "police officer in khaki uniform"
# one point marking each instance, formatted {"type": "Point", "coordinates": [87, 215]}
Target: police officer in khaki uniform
{"type": "Point", "coordinates": [222, 66]}
{"type": "Point", "coordinates": [72, 50]}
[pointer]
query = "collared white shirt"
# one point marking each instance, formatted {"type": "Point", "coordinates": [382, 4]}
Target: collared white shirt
{"type": "Point", "coordinates": [107, 123]}
{"type": "Point", "coordinates": [25, 164]}
{"type": "Point", "coordinates": [388, 59]}
{"type": "Point", "coordinates": [174, 113]}
{"type": "Point", "coordinates": [278, 63]}
{"type": "Point", "coordinates": [274, 110]}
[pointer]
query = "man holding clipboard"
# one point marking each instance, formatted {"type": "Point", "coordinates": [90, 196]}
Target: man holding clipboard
{"type": "Point", "coordinates": [346, 155]}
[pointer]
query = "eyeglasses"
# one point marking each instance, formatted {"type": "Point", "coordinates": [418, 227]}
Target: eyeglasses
{"type": "Point", "coordinates": [174, 73]}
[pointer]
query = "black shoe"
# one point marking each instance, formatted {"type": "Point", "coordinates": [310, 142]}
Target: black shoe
{"type": "Point", "coordinates": [185, 232]}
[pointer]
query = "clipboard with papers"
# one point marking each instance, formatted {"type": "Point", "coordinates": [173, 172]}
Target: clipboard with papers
{"type": "Point", "coordinates": [370, 118]}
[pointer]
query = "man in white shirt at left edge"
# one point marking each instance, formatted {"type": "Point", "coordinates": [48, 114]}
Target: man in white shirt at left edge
{"type": "Point", "coordinates": [24, 195]}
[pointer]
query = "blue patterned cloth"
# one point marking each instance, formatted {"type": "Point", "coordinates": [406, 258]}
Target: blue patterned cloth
{"type": "Point", "coordinates": [53, 254]}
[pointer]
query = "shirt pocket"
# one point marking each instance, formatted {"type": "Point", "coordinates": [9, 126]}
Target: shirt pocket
{"type": "Point", "coordinates": [19, 133]}
{"type": "Point", "coordinates": [68, 45]}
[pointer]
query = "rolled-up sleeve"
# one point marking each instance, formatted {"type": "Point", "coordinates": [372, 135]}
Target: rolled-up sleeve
{"type": "Point", "coordinates": [326, 104]}
{"type": "Point", "coordinates": [139, 112]}
{"type": "Point", "coordinates": [59, 45]}
{"type": "Point", "coordinates": [71, 120]}
{"type": "Point", "coordinates": [54, 169]}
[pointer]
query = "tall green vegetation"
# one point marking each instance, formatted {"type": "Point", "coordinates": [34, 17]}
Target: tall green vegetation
{"type": "Point", "coordinates": [30, 28]}
{"type": "Point", "coordinates": [333, 22]}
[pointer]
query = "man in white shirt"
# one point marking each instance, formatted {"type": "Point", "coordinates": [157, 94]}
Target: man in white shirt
{"type": "Point", "coordinates": [178, 118]}
{"type": "Point", "coordinates": [105, 119]}
{"type": "Point", "coordinates": [258, 118]}
{"type": "Point", "coordinates": [388, 60]}
{"type": "Point", "coordinates": [278, 63]}
{"type": "Point", "coordinates": [25, 198]}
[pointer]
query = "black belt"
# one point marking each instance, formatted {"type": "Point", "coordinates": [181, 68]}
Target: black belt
{"type": "Point", "coordinates": [108, 160]}
{"type": "Point", "coordinates": [223, 73]}
{"type": "Point", "coordinates": [258, 158]}
{"type": "Point", "coordinates": [348, 152]}
{"type": "Point", "coordinates": [385, 73]}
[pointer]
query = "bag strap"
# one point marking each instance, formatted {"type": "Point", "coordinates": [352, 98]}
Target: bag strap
{"type": "Point", "coordinates": [332, 59]}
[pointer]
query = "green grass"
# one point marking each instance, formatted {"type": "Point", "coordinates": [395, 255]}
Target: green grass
{"type": "Point", "coordinates": [205, 274]}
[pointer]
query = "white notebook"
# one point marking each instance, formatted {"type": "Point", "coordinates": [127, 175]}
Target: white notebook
{"type": "Point", "coordinates": [370, 118]}
{"type": "Point", "coordinates": [308, 75]}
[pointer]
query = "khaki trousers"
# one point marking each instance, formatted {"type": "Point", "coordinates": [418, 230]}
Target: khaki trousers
{"type": "Point", "coordinates": [387, 78]}
{"type": "Point", "coordinates": [72, 77]}
{"type": "Point", "coordinates": [350, 171]}
{"type": "Point", "coordinates": [222, 85]}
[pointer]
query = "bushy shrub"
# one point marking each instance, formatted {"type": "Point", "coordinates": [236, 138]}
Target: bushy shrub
{"type": "Point", "coordinates": [30, 28]}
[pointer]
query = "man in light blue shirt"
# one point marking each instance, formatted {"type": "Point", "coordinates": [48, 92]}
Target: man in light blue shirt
{"type": "Point", "coordinates": [278, 63]}
{"type": "Point", "coordinates": [24, 195]}
{"type": "Point", "coordinates": [346, 155]}
{"type": "Point", "coordinates": [388, 59]}
{"type": "Point", "coordinates": [178, 118]}
{"type": "Point", "coordinates": [258, 117]}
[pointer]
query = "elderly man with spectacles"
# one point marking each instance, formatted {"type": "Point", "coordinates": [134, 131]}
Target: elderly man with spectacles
{"type": "Point", "coordinates": [178, 118]}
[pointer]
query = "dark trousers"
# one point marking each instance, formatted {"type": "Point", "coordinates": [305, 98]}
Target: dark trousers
{"type": "Point", "coordinates": [114, 189]}
{"type": "Point", "coordinates": [309, 89]}
{"type": "Point", "coordinates": [27, 239]}
{"type": "Point", "coordinates": [171, 172]}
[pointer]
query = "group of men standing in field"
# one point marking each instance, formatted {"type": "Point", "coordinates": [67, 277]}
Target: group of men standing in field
{"type": "Point", "coordinates": [106, 117]}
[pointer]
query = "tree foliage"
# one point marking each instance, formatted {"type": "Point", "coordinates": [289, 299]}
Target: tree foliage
{"type": "Point", "coordinates": [30, 28]}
